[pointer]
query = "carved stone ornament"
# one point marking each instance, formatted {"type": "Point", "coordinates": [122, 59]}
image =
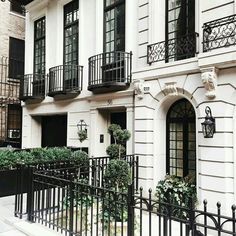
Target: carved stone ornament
{"type": "Point", "coordinates": [171, 89]}
{"type": "Point", "coordinates": [139, 88]}
{"type": "Point", "coordinates": [209, 80]}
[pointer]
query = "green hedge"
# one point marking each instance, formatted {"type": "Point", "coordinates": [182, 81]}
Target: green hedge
{"type": "Point", "coordinates": [10, 159]}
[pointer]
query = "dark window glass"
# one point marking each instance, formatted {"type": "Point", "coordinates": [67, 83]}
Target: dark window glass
{"type": "Point", "coordinates": [14, 121]}
{"type": "Point", "coordinates": [114, 31]}
{"type": "Point", "coordinates": [180, 27]}
{"type": "Point", "coordinates": [181, 139]}
{"type": "Point", "coordinates": [39, 46]}
{"type": "Point", "coordinates": [71, 37]}
{"type": "Point", "coordinates": [16, 57]}
{"type": "Point", "coordinates": [17, 7]}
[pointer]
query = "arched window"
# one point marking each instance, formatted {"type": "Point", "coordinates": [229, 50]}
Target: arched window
{"type": "Point", "coordinates": [181, 139]}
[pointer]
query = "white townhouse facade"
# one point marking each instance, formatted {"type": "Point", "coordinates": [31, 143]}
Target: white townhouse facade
{"type": "Point", "coordinates": [153, 66]}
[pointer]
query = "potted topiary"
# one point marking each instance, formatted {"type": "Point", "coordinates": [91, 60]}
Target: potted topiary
{"type": "Point", "coordinates": [116, 179]}
{"type": "Point", "coordinates": [114, 210]}
{"type": "Point", "coordinates": [120, 136]}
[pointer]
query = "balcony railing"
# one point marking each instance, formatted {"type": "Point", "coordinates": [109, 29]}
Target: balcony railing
{"type": "Point", "coordinates": [110, 71]}
{"type": "Point", "coordinates": [219, 33]}
{"type": "Point", "coordinates": [32, 86]}
{"type": "Point", "coordinates": [178, 48]}
{"type": "Point", "coordinates": [65, 79]}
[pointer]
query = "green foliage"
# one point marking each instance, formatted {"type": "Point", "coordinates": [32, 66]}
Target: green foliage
{"type": "Point", "coordinates": [112, 128]}
{"type": "Point", "coordinates": [81, 158]}
{"type": "Point", "coordinates": [117, 175]}
{"type": "Point", "coordinates": [121, 136]}
{"type": "Point", "coordinates": [82, 135]}
{"type": "Point", "coordinates": [114, 208]}
{"type": "Point", "coordinates": [116, 178]}
{"type": "Point", "coordinates": [22, 157]}
{"type": "Point", "coordinates": [9, 159]}
{"type": "Point", "coordinates": [114, 150]}
{"type": "Point", "coordinates": [177, 191]}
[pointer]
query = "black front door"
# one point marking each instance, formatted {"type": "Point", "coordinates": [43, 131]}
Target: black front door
{"type": "Point", "coordinates": [54, 131]}
{"type": "Point", "coordinates": [118, 118]}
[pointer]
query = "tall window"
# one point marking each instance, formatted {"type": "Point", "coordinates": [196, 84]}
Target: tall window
{"type": "Point", "coordinates": [181, 139]}
{"type": "Point", "coordinates": [180, 27]}
{"type": "Point", "coordinates": [71, 41]}
{"type": "Point", "coordinates": [16, 57]}
{"type": "Point", "coordinates": [71, 37]}
{"type": "Point", "coordinates": [39, 46]}
{"type": "Point", "coordinates": [114, 25]}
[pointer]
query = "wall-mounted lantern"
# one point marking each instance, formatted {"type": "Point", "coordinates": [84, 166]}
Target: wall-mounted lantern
{"type": "Point", "coordinates": [208, 126]}
{"type": "Point", "coordinates": [82, 130]}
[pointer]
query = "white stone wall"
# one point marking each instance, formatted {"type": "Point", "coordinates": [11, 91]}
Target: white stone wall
{"type": "Point", "coordinates": [146, 117]}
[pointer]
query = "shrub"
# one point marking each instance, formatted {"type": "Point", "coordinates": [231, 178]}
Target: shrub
{"type": "Point", "coordinates": [116, 178]}
{"type": "Point", "coordinates": [121, 136]}
{"type": "Point", "coordinates": [114, 150]}
{"type": "Point", "coordinates": [7, 160]}
{"type": "Point", "coordinates": [177, 191]}
{"type": "Point", "coordinates": [24, 157]}
{"type": "Point", "coordinates": [81, 158]}
{"type": "Point", "coordinates": [117, 175]}
{"type": "Point", "coordinates": [57, 153]}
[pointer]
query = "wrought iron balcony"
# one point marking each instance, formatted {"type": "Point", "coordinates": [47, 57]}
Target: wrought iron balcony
{"type": "Point", "coordinates": [178, 48]}
{"type": "Point", "coordinates": [65, 80]}
{"type": "Point", "coordinates": [109, 72]}
{"type": "Point", "coordinates": [219, 33]}
{"type": "Point", "coordinates": [32, 86]}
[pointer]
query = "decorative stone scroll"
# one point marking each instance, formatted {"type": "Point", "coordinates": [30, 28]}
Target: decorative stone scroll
{"type": "Point", "coordinates": [139, 88]}
{"type": "Point", "coordinates": [209, 80]}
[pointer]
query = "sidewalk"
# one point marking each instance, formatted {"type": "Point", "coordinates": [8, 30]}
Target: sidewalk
{"type": "Point", "coordinates": [13, 226]}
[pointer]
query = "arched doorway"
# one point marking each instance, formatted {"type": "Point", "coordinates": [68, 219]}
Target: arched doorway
{"type": "Point", "coordinates": [181, 139]}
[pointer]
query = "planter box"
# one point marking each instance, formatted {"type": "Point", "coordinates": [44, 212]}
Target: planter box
{"type": "Point", "coordinates": [9, 180]}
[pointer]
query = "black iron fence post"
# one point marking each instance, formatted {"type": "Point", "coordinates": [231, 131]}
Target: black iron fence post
{"type": "Point", "coordinates": [71, 192]}
{"type": "Point", "coordinates": [30, 195]}
{"type": "Point", "coordinates": [191, 227]}
{"type": "Point", "coordinates": [130, 203]}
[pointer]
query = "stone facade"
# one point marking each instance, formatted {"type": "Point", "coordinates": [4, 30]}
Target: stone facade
{"type": "Point", "coordinates": [148, 100]}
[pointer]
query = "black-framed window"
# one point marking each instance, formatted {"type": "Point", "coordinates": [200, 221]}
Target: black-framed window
{"type": "Point", "coordinates": [180, 28]}
{"type": "Point", "coordinates": [71, 33]}
{"type": "Point", "coordinates": [17, 8]}
{"type": "Point", "coordinates": [181, 139]}
{"type": "Point", "coordinates": [14, 121]}
{"type": "Point", "coordinates": [180, 18]}
{"type": "Point", "coordinates": [39, 45]}
{"type": "Point", "coordinates": [114, 25]}
{"type": "Point", "coordinates": [16, 58]}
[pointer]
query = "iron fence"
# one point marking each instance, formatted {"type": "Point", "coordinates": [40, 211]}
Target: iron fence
{"type": "Point", "coordinates": [32, 86]}
{"type": "Point", "coordinates": [93, 174]}
{"type": "Point", "coordinates": [174, 49]}
{"type": "Point", "coordinates": [110, 67]}
{"type": "Point", "coordinates": [74, 207]}
{"type": "Point", "coordinates": [219, 33]}
{"type": "Point", "coordinates": [65, 79]}
{"type": "Point", "coordinates": [153, 217]}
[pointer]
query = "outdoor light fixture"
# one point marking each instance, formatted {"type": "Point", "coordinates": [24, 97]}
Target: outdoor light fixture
{"type": "Point", "coordinates": [82, 130]}
{"type": "Point", "coordinates": [81, 125]}
{"type": "Point", "coordinates": [208, 126]}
